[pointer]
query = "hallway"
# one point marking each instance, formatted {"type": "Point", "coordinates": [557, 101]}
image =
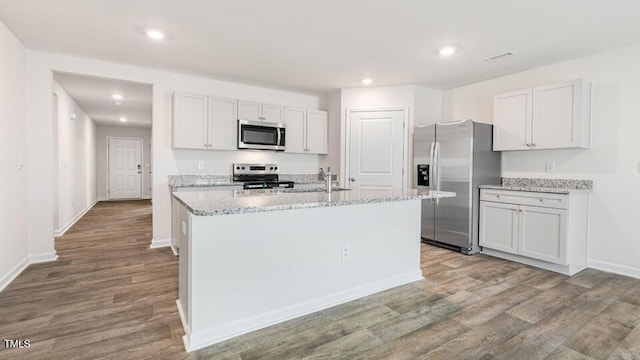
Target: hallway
{"type": "Point", "coordinates": [107, 293]}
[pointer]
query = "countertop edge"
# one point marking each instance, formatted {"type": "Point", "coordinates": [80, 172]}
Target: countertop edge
{"type": "Point", "coordinates": [535, 189]}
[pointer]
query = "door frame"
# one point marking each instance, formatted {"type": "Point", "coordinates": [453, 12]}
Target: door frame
{"type": "Point", "coordinates": [141, 165]}
{"type": "Point", "coordinates": [347, 140]}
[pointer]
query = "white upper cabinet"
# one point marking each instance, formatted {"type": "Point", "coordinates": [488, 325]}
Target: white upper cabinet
{"type": "Point", "coordinates": [512, 120]}
{"type": "Point", "coordinates": [204, 122]}
{"type": "Point", "coordinates": [317, 130]}
{"type": "Point", "coordinates": [223, 123]}
{"type": "Point", "coordinates": [255, 111]}
{"type": "Point", "coordinates": [190, 121]}
{"type": "Point", "coordinates": [296, 130]}
{"type": "Point", "coordinates": [249, 110]}
{"type": "Point", "coordinates": [273, 113]}
{"type": "Point", "coordinates": [547, 117]}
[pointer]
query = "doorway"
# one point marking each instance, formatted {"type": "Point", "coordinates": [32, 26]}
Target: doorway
{"type": "Point", "coordinates": [376, 148]}
{"type": "Point", "coordinates": [124, 169]}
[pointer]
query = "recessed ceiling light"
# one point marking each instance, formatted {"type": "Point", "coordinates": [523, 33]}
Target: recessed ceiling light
{"type": "Point", "coordinates": [117, 96]}
{"type": "Point", "coordinates": [447, 50]}
{"type": "Point", "coordinates": [155, 34]}
{"type": "Point", "coordinates": [367, 81]}
{"type": "Point", "coordinates": [119, 103]}
{"type": "Point", "coordinates": [123, 119]}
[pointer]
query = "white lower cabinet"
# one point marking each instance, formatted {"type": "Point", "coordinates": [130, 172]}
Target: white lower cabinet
{"type": "Point", "coordinates": [540, 229]}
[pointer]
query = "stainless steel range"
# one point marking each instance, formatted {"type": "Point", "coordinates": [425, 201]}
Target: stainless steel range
{"type": "Point", "coordinates": [259, 176]}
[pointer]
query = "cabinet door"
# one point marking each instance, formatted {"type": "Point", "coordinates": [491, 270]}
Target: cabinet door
{"type": "Point", "coordinates": [557, 116]}
{"type": "Point", "coordinates": [223, 123]}
{"type": "Point", "coordinates": [295, 119]}
{"type": "Point", "coordinates": [190, 121]}
{"type": "Point", "coordinates": [499, 226]}
{"type": "Point", "coordinates": [317, 129]}
{"type": "Point", "coordinates": [543, 233]}
{"type": "Point", "coordinates": [249, 110]}
{"type": "Point", "coordinates": [512, 117]}
{"type": "Point", "coordinates": [273, 113]}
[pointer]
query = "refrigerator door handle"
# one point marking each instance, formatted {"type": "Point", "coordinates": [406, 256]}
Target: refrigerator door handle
{"type": "Point", "coordinates": [436, 168]}
{"type": "Point", "coordinates": [431, 165]}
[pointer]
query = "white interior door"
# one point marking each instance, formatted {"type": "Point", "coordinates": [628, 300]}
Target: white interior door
{"type": "Point", "coordinates": [376, 149]}
{"type": "Point", "coordinates": [125, 168]}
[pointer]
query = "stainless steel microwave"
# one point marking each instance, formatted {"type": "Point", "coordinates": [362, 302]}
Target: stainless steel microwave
{"type": "Point", "coordinates": [261, 135]}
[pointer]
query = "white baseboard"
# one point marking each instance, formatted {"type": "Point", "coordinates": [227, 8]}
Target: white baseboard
{"type": "Point", "coordinates": [175, 250]}
{"type": "Point", "coordinates": [146, 197]}
{"type": "Point", "coordinates": [159, 243]}
{"type": "Point", "coordinates": [615, 268]}
{"type": "Point", "coordinates": [103, 199]}
{"type": "Point", "coordinates": [68, 226]}
{"type": "Point", "coordinates": [185, 324]}
{"type": "Point", "coordinates": [203, 338]}
{"type": "Point", "coordinates": [13, 273]}
{"type": "Point", "coordinates": [562, 269]}
{"type": "Point", "coordinates": [43, 257]}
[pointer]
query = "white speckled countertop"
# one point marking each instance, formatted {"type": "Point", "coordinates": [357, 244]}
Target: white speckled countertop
{"type": "Point", "coordinates": [556, 186]}
{"type": "Point", "coordinates": [209, 203]}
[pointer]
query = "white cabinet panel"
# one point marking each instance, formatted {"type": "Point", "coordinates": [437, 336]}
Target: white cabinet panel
{"type": "Point", "coordinates": [249, 110]}
{"type": "Point", "coordinates": [499, 226]}
{"type": "Point", "coordinates": [512, 120]}
{"type": "Point", "coordinates": [296, 131]}
{"type": "Point", "coordinates": [543, 233]}
{"type": "Point", "coordinates": [273, 113]}
{"type": "Point", "coordinates": [190, 121]}
{"type": "Point", "coordinates": [223, 123]}
{"type": "Point", "coordinates": [557, 116]}
{"type": "Point", "coordinates": [317, 132]}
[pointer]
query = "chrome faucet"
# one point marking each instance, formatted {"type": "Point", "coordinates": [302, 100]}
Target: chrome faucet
{"type": "Point", "coordinates": [327, 178]}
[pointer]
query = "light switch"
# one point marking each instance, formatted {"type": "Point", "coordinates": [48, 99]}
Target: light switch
{"type": "Point", "coordinates": [20, 162]}
{"type": "Point", "coordinates": [550, 166]}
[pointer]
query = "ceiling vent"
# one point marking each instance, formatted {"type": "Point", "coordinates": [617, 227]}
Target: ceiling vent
{"type": "Point", "coordinates": [499, 56]}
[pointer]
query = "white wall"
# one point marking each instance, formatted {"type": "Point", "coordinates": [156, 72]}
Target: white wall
{"type": "Point", "coordinates": [76, 165]}
{"type": "Point", "coordinates": [101, 156]}
{"type": "Point", "coordinates": [14, 249]}
{"type": "Point", "coordinates": [166, 161]}
{"type": "Point", "coordinates": [613, 162]}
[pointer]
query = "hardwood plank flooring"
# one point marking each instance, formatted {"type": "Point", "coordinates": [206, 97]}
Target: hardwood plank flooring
{"type": "Point", "coordinates": [111, 297]}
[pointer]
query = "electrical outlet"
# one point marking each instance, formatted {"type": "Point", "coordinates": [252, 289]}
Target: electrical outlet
{"type": "Point", "coordinates": [550, 166]}
{"type": "Point", "coordinates": [20, 162]}
{"type": "Point", "coordinates": [201, 165]}
{"type": "Point", "coordinates": [346, 251]}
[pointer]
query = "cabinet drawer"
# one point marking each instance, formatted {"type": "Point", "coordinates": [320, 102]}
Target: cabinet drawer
{"type": "Point", "coordinates": [556, 201]}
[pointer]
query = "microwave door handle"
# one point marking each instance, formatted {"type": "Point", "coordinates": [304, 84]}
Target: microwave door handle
{"type": "Point", "coordinates": [279, 136]}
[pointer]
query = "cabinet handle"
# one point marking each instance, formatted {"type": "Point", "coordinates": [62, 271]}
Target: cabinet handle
{"type": "Point", "coordinates": [541, 200]}
{"type": "Point", "coordinates": [528, 145]}
{"type": "Point", "coordinates": [532, 144]}
{"type": "Point", "coordinates": [497, 196]}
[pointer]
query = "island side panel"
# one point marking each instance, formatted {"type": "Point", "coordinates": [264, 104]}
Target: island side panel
{"type": "Point", "coordinates": [183, 230]}
{"type": "Point", "coordinates": [253, 270]}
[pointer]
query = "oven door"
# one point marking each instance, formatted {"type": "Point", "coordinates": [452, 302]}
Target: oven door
{"type": "Point", "coordinates": [260, 135]}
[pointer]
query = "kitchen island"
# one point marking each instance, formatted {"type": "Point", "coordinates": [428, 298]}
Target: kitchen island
{"type": "Point", "coordinates": [254, 258]}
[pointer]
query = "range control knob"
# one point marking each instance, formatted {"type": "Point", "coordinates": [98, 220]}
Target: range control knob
{"type": "Point", "coordinates": [275, 168]}
{"type": "Point", "coordinates": [271, 168]}
{"type": "Point", "coordinates": [237, 167]}
{"type": "Point", "coordinates": [243, 168]}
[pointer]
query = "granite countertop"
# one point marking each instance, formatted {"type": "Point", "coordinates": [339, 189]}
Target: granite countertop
{"type": "Point", "coordinates": [209, 203]}
{"type": "Point", "coordinates": [555, 186]}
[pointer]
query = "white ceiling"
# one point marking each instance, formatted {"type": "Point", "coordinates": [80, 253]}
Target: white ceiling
{"type": "Point", "coordinates": [318, 46]}
{"type": "Point", "coordinates": [94, 95]}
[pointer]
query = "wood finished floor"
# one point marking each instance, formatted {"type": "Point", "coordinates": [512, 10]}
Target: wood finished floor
{"type": "Point", "coordinates": [111, 297]}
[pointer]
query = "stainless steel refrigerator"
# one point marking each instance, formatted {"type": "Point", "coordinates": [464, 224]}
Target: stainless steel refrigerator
{"type": "Point", "coordinates": [458, 157]}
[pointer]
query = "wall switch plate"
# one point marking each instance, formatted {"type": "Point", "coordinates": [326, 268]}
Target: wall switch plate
{"type": "Point", "coordinates": [346, 251]}
{"type": "Point", "coordinates": [550, 166]}
{"type": "Point", "coordinates": [201, 165]}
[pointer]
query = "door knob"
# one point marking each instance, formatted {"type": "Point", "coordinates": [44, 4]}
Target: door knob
{"type": "Point", "coordinates": [352, 179]}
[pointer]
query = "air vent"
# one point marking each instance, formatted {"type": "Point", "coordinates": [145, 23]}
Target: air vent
{"type": "Point", "coordinates": [500, 56]}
